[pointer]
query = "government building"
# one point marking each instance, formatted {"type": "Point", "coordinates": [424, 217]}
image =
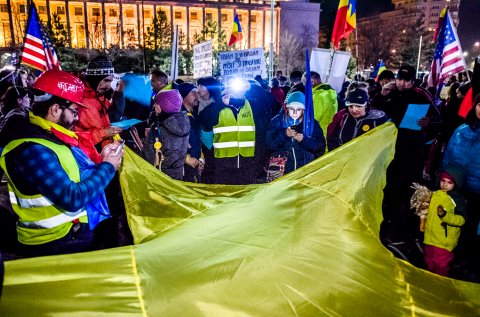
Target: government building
{"type": "Point", "coordinates": [125, 23]}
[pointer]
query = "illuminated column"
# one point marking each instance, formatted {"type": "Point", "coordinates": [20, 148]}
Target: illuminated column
{"type": "Point", "coordinates": [67, 18]}
{"type": "Point", "coordinates": [120, 8]}
{"type": "Point", "coordinates": [87, 32]}
{"type": "Point", "coordinates": [138, 24]}
{"type": "Point", "coordinates": [10, 20]}
{"type": "Point", "coordinates": [104, 26]}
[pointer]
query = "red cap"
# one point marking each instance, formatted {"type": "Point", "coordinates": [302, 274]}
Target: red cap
{"type": "Point", "coordinates": [61, 84]}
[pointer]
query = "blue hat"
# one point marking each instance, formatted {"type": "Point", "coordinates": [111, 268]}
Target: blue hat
{"type": "Point", "coordinates": [296, 99]}
{"type": "Point", "coordinates": [357, 97]}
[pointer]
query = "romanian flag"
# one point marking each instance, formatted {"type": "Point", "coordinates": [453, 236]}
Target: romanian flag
{"type": "Point", "coordinates": [236, 32]}
{"type": "Point", "coordinates": [439, 24]}
{"type": "Point", "coordinates": [345, 22]}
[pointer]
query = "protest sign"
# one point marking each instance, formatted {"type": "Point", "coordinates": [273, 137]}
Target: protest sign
{"type": "Point", "coordinates": [245, 63]}
{"type": "Point", "coordinates": [334, 73]}
{"type": "Point", "coordinates": [202, 59]}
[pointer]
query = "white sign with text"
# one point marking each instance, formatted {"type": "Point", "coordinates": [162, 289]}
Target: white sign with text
{"type": "Point", "coordinates": [245, 63]}
{"type": "Point", "coordinates": [202, 59]}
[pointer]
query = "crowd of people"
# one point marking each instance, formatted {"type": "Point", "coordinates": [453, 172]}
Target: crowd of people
{"type": "Point", "coordinates": [60, 151]}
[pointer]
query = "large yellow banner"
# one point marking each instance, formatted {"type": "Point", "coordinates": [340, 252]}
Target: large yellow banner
{"type": "Point", "coordinates": [304, 245]}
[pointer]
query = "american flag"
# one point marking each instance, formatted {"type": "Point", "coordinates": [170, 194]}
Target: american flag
{"type": "Point", "coordinates": [38, 51]}
{"type": "Point", "coordinates": [448, 58]}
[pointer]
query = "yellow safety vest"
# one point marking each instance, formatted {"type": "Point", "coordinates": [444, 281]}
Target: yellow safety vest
{"type": "Point", "coordinates": [40, 221]}
{"type": "Point", "coordinates": [233, 137]}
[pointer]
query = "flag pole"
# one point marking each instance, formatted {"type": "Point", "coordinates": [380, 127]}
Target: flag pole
{"type": "Point", "coordinates": [356, 48]}
{"type": "Point", "coordinates": [270, 59]}
{"type": "Point", "coordinates": [419, 54]}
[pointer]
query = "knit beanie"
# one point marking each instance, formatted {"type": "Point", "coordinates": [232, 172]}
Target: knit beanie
{"type": "Point", "coordinates": [97, 69]}
{"type": "Point", "coordinates": [170, 101]}
{"type": "Point", "coordinates": [447, 175]}
{"type": "Point", "coordinates": [185, 89]}
{"type": "Point", "coordinates": [296, 99]}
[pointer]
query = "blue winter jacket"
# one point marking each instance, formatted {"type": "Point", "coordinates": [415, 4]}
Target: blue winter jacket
{"type": "Point", "coordinates": [463, 151]}
{"type": "Point", "coordinates": [298, 153]}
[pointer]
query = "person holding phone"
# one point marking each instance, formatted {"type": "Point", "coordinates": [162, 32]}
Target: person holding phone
{"type": "Point", "coordinates": [285, 136]}
{"type": "Point", "coordinates": [56, 189]}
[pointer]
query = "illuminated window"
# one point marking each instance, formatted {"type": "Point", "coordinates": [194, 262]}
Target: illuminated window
{"type": "Point", "coordinates": [112, 12]}
{"type": "Point", "coordinates": [253, 18]}
{"type": "Point", "coordinates": [194, 16]}
{"type": "Point", "coordinates": [146, 14]}
{"type": "Point", "coordinates": [224, 17]}
{"type": "Point", "coordinates": [178, 15]}
{"type": "Point", "coordinates": [42, 9]}
{"type": "Point", "coordinates": [129, 13]}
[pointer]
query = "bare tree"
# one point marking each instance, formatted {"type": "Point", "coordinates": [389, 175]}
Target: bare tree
{"type": "Point", "coordinates": [380, 40]}
{"type": "Point", "coordinates": [291, 52]}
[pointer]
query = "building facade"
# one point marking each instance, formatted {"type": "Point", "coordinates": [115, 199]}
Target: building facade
{"type": "Point", "coordinates": [125, 23]}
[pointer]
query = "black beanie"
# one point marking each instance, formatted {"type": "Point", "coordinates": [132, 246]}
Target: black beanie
{"type": "Point", "coordinates": [98, 68]}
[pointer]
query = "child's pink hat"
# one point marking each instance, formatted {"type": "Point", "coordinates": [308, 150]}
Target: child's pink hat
{"type": "Point", "coordinates": [170, 101]}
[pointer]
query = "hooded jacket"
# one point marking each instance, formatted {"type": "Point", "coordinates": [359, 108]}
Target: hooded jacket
{"type": "Point", "coordinates": [443, 232]}
{"type": "Point", "coordinates": [174, 134]}
{"type": "Point", "coordinates": [463, 151]}
{"type": "Point", "coordinates": [298, 153]}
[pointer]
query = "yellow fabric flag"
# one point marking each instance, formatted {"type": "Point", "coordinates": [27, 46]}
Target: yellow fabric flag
{"type": "Point", "coordinates": [304, 245]}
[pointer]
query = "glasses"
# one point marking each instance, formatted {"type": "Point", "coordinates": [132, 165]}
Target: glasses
{"type": "Point", "coordinates": [74, 112]}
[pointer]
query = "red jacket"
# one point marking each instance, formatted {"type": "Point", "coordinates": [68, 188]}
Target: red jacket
{"type": "Point", "coordinates": [93, 117]}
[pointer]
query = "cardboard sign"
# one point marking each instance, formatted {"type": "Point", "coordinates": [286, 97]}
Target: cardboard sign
{"type": "Point", "coordinates": [245, 63]}
{"type": "Point", "coordinates": [202, 59]}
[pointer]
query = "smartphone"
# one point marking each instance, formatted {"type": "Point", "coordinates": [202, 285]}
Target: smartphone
{"type": "Point", "coordinates": [119, 147]}
{"type": "Point", "coordinates": [297, 128]}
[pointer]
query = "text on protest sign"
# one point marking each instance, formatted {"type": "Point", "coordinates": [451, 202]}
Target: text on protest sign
{"type": "Point", "coordinates": [245, 64]}
{"type": "Point", "coordinates": [202, 59]}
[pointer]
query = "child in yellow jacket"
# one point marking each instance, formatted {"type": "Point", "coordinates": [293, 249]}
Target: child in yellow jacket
{"type": "Point", "coordinates": [446, 215]}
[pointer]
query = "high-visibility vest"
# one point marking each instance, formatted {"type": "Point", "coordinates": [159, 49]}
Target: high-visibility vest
{"type": "Point", "coordinates": [40, 221]}
{"type": "Point", "coordinates": [233, 137]}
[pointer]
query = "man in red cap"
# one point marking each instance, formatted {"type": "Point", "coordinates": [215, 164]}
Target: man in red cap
{"type": "Point", "coordinates": [56, 190]}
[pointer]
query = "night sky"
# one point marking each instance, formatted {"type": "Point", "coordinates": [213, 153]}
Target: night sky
{"type": "Point", "coordinates": [469, 15]}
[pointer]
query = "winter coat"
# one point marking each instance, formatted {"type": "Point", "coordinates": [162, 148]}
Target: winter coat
{"type": "Point", "coordinates": [174, 133]}
{"type": "Point", "coordinates": [93, 116]}
{"type": "Point", "coordinates": [345, 127]}
{"type": "Point", "coordinates": [463, 151]}
{"type": "Point", "coordinates": [410, 145]}
{"type": "Point", "coordinates": [298, 153]}
{"type": "Point", "coordinates": [444, 232]}
{"type": "Point", "coordinates": [325, 105]}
